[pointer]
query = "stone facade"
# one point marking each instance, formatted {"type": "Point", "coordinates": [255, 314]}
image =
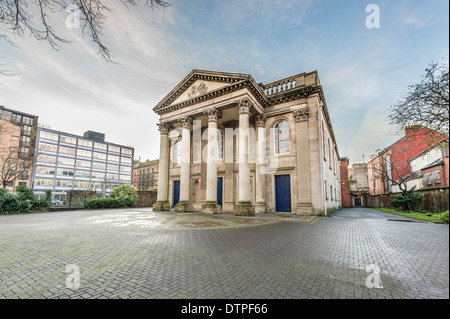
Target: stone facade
{"type": "Point", "coordinates": [145, 175]}
{"type": "Point", "coordinates": [228, 144]}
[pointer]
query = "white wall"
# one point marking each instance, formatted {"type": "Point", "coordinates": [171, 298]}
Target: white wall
{"type": "Point", "coordinates": [426, 159]}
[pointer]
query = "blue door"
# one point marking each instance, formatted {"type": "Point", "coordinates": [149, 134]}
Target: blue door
{"type": "Point", "coordinates": [358, 201]}
{"type": "Point", "coordinates": [283, 193]}
{"type": "Point", "coordinates": [176, 192]}
{"type": "Point", "coordinates": [219, 190]}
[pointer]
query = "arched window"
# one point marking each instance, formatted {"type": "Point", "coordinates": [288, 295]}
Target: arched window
{"type": "Point", "coordinates": [177, 153]}
{"type": "Point", "coordinates": [219, 145]}
{"type": "Point", "coordinates": [281, 138]}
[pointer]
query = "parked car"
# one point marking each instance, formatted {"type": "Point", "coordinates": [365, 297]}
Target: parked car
{"type": "Point", "coordinates": [55, 202]}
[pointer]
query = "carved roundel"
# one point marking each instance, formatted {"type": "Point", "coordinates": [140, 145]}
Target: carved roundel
{"type": "Point", "coordinates": [197, 90]}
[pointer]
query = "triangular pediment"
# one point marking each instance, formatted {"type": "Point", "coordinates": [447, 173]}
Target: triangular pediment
{"type": "Point", "coordinates": [198, 85]}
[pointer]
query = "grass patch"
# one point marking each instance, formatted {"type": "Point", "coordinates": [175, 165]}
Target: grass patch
{"type": "Point", "coordinates": [434, 218]}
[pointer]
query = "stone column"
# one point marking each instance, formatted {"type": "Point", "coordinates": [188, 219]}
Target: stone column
{"type": "Point", "coordinates": [185, 179]}
{"type": "Point", "coordinates": [211, 205]}
{"type": "Point", "coordinates": [244, 206]}
{"type": "Point", "coordinates": [162, 203]}
{"type": "Point", "coordinates": [304, 206]}
{"type": "Point", "coordinates": [260, 171]}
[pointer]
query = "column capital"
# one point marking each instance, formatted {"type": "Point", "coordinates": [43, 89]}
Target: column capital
{"type": "Point", "coordinates": [164, 127]}
{"type": "Point", "coordinates": [244, 106]}
{"type": "Point", "coordinates": [213, 114]}
{"type": "Point", "coordinates": [186, 122]}
{"type": "Point", "coordinates": [260, 120]}
{"type": "Point", "coordinates": [301, 114]}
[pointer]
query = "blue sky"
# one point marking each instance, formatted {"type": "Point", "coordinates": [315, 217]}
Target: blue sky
{"type": "Point", "coordinates": [363, 71]}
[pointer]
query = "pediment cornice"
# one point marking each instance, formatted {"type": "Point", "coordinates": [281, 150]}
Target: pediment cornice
{"type": "Point", "coordinates": [232, 82]}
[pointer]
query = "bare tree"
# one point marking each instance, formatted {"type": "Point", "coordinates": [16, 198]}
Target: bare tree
{"type": "Point", "coordinates": [426, 104]}
{"type": "Point", "coordinates": [392, 165]}
{"type": "Point", "coordinates": [31, 18]}
{"type": "Point", "coordinates": [385, 169]}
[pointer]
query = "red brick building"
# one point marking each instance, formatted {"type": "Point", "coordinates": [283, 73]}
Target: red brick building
{"type": "Point", "coordinates": [345, 186]}
{"type": "Point", "coordinates": [393, 163]}
{"type": "Point", "coordinates": [145, 175]}
{"type": "Point", "coordinates": [437, 174]}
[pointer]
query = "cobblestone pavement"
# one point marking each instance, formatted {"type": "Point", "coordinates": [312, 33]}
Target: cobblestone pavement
{"type": "Point", "coordinates": [139, 254]}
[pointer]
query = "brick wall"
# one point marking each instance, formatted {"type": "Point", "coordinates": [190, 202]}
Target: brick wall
{"type": "Point", "coordinates": [345, 187]}
{"type": "Point", "coordinates": [436, 199]}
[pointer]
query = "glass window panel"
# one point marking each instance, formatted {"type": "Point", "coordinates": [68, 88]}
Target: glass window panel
{"type": "Point", "coordinates": [49, 136]}
{"type": "Point", "coordinates": [81, 163]}
{"type": "Point", "coordinates": [101, 166]}
{"type": "Point", "coordinates": [100, 156]}
{"type": "Point", "coordinates": [46, 159]}
{"type": "Point", "coordinates": [68, 139]}
{"type": "Point", "coordinates": [84, 153]}
{"type": "Point", "coordinates": [85, 143]}
{"type": "Point", "coordinates": [44, 182]}
{"type": "Point", "coordinates": [98, 175]}
{"type": "Point", "coordinates": [281, 137]}
{"type": "Point", "coordinates": [66, 161]}
{"type": "Point", "coordinates": [126, 169]}
{"type": "Point", "coordinates": [113, 158]}
{"type": "Point", "coordinates": [126, 160]}
{"type": "Point", "coordinates": [127, 151]}
{"type": "Point", "coordinates": [45, 170]}
{"type": "Point", "coordinates": [67, 150]}
{"type": "Point", "coordinates": [100, 146]}
{"type": "Point", "coordinates": [114, 149]}
{"type": "Point", "coordinates": [64, 172]}
{"type": "Point", "coordinates": [114, 168]}
{"type": "Point", "coordinates": [82, 174]}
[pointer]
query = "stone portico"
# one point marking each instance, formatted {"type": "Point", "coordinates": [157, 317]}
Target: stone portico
{"type": "Point", "coordinates": [228, 144]}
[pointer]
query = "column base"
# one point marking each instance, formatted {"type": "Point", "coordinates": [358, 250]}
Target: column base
{"type": "Point", "coordinates": [261, 208]}
{"type": "Point", "coordinates": [244, 209]}
{"type": "Point", "coordinates": [161, 206]}
{"type": "Point", "coordinates": [211, 208]}
{"type": "Point", "coordinates": [184, 207]}
{"type": "Point", "coordinates": [305, 209]}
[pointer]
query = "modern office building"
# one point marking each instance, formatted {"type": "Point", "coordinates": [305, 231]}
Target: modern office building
{"type": "Point", "coordinates": [17, 140]}
{"type": "Point", "coordinates": [66, 162]}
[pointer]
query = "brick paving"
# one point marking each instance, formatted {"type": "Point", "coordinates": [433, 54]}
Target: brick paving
{"type": "Point", "coordinates": [323, 258]}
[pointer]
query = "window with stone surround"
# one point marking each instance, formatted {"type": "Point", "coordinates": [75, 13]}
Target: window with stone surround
{"type": "Point", "coordinates": [281, 138]}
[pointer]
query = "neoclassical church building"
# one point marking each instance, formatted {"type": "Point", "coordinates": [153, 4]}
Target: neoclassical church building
{"type": "Point", "coordinates": [229, 144]}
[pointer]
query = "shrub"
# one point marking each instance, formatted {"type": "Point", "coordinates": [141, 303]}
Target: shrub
{"type": "Point", "coordinates": [444, 217]}
{"type": "Point", "coordinates": [9, 203]}
{"type": "Point", "coordinates": [2, 192]}
{"type": "Point", "coordinates": [409, 201]}
{"type": "Point", "coordinates": [24, 193]}
{"type": "Point", "coordinates": [126, 193]}
{"type": "Point", "coordinates": [94, 203]}
{"type": "Point", "coordinates": [23, 202]}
